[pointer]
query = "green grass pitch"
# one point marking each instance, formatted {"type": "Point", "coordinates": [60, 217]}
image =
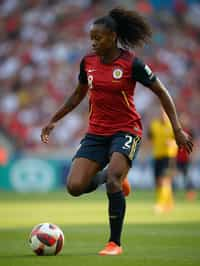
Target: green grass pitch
{"type": "Point", "coordinates": [148, 239]}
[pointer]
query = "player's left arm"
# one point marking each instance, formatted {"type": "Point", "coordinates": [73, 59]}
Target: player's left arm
{"type": "Point", "coordinates": [144, 75]}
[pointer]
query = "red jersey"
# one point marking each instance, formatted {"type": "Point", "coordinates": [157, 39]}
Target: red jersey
{"type": "Point", "coordinates": [111, 91]}
{"type": "Point", "coordinates": [182, 156]}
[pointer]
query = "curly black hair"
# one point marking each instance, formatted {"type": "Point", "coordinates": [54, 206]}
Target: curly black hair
{"type": "Point", "coordinates": [132, 29]}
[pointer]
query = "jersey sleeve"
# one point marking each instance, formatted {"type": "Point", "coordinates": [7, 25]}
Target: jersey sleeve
{"type": "Point", "coordinates": [142, 73]}
{"type": "Point", "coordinates": [82, 74]}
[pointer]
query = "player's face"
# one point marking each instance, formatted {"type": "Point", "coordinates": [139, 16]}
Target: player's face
{"type": "Point", "coordinates": [103, 39]}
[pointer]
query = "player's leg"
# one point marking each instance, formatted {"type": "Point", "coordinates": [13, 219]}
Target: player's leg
{"type": "Point", "coordinates": [91, 157]}
{"type": "Point", "coordinates": [101, 177]}
{"type": "Point", "coordinates": [97, 180]}
{"type": "Point", "coordinates": [96, 148]}
{"type": "Point", "coordinates": [80, 175]}
{"type": "Point", "coordinates": [164, 193]}
{"type": "Point", "coordinates": [119, 165]}
{"type": "Point", "coordinates": [117, 169]}
{"type": "Point", "coordinates": [128, 145]}
{"type": "Point", "coordinates": [189, 186]}
{"type": "Point", "coordinates": [169, 174]}
{"type": "Point", "coordinates": [158, 172]}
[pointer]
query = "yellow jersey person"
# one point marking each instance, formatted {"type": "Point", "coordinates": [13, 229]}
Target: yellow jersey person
{"type": "Point", "coordinates": [164, 151]}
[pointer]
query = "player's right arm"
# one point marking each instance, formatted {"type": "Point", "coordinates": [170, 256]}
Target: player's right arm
{"type": "Point", "coordinates": [74, 100]}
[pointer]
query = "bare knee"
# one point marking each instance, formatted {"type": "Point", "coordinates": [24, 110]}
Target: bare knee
{"type": "Point", "coordinates": [114, 181]}
{"type": "Point", "coordinates": [75, 187]}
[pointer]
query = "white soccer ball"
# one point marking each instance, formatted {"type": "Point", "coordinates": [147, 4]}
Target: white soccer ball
{"type": "Point", "coordinates": [46, 239]}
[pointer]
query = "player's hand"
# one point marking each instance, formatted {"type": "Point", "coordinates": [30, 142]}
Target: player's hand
{"type": "Point", "coordinates": [183, 140]}
{"type": "Point", "coordinates": [46, 132]}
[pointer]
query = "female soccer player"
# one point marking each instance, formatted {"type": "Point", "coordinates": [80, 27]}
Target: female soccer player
{"type": "Point", "coordinates": [109, 75]}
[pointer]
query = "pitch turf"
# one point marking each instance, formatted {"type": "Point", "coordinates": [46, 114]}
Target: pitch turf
{"type": "Point", "coordinates": [148, 239]}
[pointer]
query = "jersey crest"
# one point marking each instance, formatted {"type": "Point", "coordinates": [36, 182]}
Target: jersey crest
{"type": "Point", "coordinates": [117, 73]}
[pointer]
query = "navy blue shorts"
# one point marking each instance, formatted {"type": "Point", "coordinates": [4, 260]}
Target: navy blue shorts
{"type": "Point", "coordinates": [100, 148]}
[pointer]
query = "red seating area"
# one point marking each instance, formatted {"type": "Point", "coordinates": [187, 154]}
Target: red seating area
{"type": "Point", "coordinates": [41, 43]}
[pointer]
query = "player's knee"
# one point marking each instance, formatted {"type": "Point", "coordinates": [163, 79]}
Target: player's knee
{"type": "Point", "coordinates": [75, 188]}
{"type": "Point", "coordinates": [113, 181]}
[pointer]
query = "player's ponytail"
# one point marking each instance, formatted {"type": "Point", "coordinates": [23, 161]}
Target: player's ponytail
{"type": "Point", "coordinates": [131, 28]}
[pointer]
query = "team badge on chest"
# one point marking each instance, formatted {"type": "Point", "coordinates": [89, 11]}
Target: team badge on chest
{"type": "Point", "coordinates": [117, 73]}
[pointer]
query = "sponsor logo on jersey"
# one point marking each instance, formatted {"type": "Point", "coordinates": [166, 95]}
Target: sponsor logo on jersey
{"type": "Point", "coordinates": [117, 73]}
{"type": "Point", "coordinates": [136, 129]}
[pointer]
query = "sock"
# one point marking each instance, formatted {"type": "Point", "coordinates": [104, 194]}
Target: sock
{"type": "Point", "coordinates": [117, 207]}
{"type": "Point", "coordinates": [165, 195]}
{"type": "Point", "coordinates": [158, 195]}
{"type": "Point", "coordinates": [97, 180]}
{"type": "Point", "coordinates": [169, 196]}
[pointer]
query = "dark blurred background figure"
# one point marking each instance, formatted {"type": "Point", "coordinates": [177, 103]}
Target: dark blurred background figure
{"type": "Point", "coordinates": [184, 160]}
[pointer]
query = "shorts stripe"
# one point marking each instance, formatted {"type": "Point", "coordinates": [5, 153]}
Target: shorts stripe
{"type": "Point", "coordinates": [136, 140]}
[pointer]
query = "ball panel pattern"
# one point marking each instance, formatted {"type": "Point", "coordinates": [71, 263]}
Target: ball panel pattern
{"type": "Point", "coordinates": [46, 239]}
{"type": "Point", "coordinates": [59, 244]}
{"type": "Point", "coordinates": [36, 229]}
{"type": "Point", "coordinates": [52, 226]}
{"type": "Point", "coordinates": [39, 251]}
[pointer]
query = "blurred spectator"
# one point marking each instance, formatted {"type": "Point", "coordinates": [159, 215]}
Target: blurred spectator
{"type": "Point", "coordinates": [184, 160]}
{"type": "Point", "coordinates": [3, 156]}
{"type": "Point", "coordinates": [41, 43]}
{"type": "Point", "coordinates": [164, 151]}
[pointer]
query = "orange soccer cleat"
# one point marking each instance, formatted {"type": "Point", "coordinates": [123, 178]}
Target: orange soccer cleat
{"type": "Point", "coordinates": [111, 249]}
{"type": "Point", "coordinates": [126, 187]}
{"type": "Point", "coordinates": [191, 195]}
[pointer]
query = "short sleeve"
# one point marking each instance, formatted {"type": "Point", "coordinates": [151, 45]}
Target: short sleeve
{"type": "Point", "coordinates": [82, 74]}
{"type": "Point", "coordinates": [142, 73]}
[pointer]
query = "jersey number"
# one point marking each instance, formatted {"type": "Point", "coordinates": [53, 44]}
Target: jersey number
{"type": "Point", "coordinates": [127, 144]}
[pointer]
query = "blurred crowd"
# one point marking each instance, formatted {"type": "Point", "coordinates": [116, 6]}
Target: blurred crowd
{"type": "Point", "coordinates": [42, 42]}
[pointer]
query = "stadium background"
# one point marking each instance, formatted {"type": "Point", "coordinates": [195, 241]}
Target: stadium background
{"type": "Point", "coordinates": [41, 43]}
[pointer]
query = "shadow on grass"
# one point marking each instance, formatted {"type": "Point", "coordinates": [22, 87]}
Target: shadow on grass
{"type": "Point", "coordinates": [33, 256]}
